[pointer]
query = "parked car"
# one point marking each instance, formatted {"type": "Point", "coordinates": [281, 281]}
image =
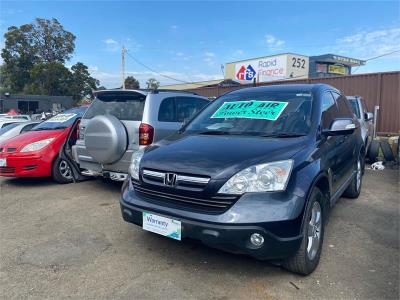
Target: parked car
{"type": "Point", "coordinates": [36, 153]}
{"type": "Point", "coordinates": [15, 129]}
{"type": "Point", "coordinates": [365, 118]}
{"type": "Point", "coordinates": [119, 122]}
{"type": "Point", "coordinates": [5, 122]}
{"type": "Point", "coordinates": [256, 172]}
{"type": "Point", "coordinates": [17, 117]}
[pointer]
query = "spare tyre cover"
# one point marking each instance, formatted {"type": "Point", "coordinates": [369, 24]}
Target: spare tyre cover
{"type": "Point", "coordinates": [105, 139]}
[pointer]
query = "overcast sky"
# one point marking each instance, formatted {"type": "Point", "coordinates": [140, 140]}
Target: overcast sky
{"type": "Point", "coordinates": [190, 40]}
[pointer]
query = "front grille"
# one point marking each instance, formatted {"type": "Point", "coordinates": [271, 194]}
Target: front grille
{"type": "Point", "coordinates": [29, 167]}
{"type": "Point", "coordinates": [213, 204]}
{"type": "Point", "coordinates": [7, 170]}
{"type": "Point", "coordinates": [11, 149]}
{"type": "Point", "coordinates": [183, 181]}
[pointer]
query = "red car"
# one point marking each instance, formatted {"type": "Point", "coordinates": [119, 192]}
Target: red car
{"type": "Point", "coordinates": [36, 153]}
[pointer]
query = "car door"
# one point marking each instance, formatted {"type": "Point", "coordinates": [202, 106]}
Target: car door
{"type": "Point", "coordinates": [368, 123]}
{"type": "Point", "coordinates": [345, 144]}
{"type": "Point", "coordinates": [167, 122]}
{"type": "Point", "coordinates": [329, 144]}
{"type": "Point", "coordinates": [176, 110]}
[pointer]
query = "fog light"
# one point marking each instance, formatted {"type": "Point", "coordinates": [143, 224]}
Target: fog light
{"type": "Point", "coordinates": [257, 239]}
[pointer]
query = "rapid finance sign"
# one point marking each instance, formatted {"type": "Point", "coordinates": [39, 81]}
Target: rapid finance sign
{"type": "Point", "coordinates": [271, 68]}
{"type": "Point", "coordinates": [263, 69]}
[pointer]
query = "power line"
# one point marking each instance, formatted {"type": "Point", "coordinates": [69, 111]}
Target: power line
{"type": "Point", "coordinates": [154, 71]}
{"type": "Point", "coordinates": [382, 55]}
{"type": "Point", "coordinates": [378, 56]}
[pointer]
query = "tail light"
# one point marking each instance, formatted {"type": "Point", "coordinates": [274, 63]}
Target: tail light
{"type": "Point", "coordinates": [146, 134]}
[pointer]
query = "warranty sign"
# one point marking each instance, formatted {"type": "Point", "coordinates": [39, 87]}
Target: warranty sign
{"type": "Point", "coordinates": [267, 110]}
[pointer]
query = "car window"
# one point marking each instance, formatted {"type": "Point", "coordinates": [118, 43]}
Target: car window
{"type": "Point", "coordinates": [186, 107]}
{"type": "Point", "coordinates": [8, 124]}
{"type": "Point", "coordinates": [127, 106]}
{"type": "Point", "coordinates": [255, 113]}
{"type": "Point", "coordinates": [364, 106]}
{"type": "Point", "coordinates": [61, 120]}
{"type": "Point", "coordinates": [8, 127]}
{"type": "Point", "coordinates": [28, 127]}
{"type": "Point", "coordinates": [329, 110]}
{"type": "Point", "coordinates": [354, 107]}
{"type": "Point", "coordinates": [343, 106]}
{"type": "Point", "coordinates": [167, 112]}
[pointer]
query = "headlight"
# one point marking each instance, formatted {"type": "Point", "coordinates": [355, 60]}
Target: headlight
{"type": "Point", "coordinates": [135, 163]}
{"type": "Point", "coordinates": [37, 145]}
{"type": "Point", "coordinates": [259, 178]}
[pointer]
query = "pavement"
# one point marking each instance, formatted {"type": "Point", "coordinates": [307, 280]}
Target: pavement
{"type": "Point", "coordinates": [69, 241]}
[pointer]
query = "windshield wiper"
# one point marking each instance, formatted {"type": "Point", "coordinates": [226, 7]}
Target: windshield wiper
{"type": "Point", "coordinates": [220, 132]}
{"type": "Point", "coordinates": [283, 135]}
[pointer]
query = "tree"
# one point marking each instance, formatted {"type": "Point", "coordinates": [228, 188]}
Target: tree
{"type": "Point", "coordinates": [152, 83]}
{"type": "Point", "coordinates": [131, 83]}
{"type": "Point", "coordinates": [43, 41]}
{"type": "Point", "coordinates": [49, 79]}
{"type": "Point", "coordinates": [82, 83]}
{"type": "Point", "coordinates": [34, 56]}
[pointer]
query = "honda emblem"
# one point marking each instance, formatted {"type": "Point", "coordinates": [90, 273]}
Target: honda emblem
{"type": "Point", "coordinates": [170, 179]}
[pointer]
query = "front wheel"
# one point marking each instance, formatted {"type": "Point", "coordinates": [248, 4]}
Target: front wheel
{"type": "Point", "coordinates": [61, 171]}
{"type": "Point", "coordinates": [306, 260]}
{"type": "Point", "coordinates": [354, 188]}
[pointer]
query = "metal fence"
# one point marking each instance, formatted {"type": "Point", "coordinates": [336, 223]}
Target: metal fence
{"type": "Point", "coordinates": [382, 89]}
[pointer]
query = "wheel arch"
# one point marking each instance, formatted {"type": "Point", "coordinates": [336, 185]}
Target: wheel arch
{"type": "Point", "coordinates": [323, 183]}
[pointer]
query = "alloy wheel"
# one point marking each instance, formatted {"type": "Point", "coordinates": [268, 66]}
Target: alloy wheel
{"type": "Point", "coordinates": [359, 174]}
{"type": "Point", "coordinates": [314, 231]}
{"type": "Point", "coordinates": [65, 170]}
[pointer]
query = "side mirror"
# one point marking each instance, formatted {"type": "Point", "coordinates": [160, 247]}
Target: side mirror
{"type": "Point", "coordinates": [341, 126]}
{"type": "Point", "coordinates": [369, 116]}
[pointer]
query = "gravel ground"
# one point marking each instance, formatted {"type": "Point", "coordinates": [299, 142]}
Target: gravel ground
{"type": "Point", "coordinates": [60, 241]}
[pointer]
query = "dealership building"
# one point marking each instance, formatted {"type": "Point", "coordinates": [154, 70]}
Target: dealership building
{"type": "Point", "coordinates": [31, 104]}
{"type": "Point", "coordinates": [284, 66]}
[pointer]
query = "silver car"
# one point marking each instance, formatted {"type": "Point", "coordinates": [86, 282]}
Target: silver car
{"type": "Point", "coordinates": [119, 122]}
{"type": "Point", "coordinates": [365, 118]}
{"type": "Point", "coordinates": [14, 129]}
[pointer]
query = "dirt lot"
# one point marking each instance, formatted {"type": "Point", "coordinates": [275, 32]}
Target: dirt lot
{"type": "Point", "coordinates": [61, 241]}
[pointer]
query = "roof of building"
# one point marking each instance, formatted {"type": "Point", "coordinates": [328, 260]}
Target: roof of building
{"type": "Point", "coordinates": [348, 61]}
{"type": "Point", "coordinates": [191, 85]}
{"type": "Point", "coordinates": [34, 97]}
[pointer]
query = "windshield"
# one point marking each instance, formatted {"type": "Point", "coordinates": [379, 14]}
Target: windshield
{"type": "Point", "coordinates": [123, 105]}
{"type": "Point", "coordinates": [354, 106]}
{"type": "Point", "coordinates": [8, 128]}
{"type": "Point", "coordinates": [61, 120]}
{"type": "Point", "coordinates": [256, 113]}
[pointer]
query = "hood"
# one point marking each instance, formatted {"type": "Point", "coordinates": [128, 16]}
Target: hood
{"type": "Point", "coordinates": [30, 137]}
{"type": "Point", "coordinates": [217, 156]}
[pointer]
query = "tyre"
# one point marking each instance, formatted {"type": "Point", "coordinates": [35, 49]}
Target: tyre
{"type": "Point", "coordinates": [373, 151]}
{"type": "Point", "coordinates": [61, 171]}
{"type": "Point", "coordinates": [387, 151]}
{"type": "Point", "coordinates": [354, 188]}
{"type": "Point", "coordinates": [306, 260]}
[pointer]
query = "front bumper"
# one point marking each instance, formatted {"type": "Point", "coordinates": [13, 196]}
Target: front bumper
{"type": "Point", "coordinates": [281, 238]}
{"type": "Point", "coordinates": [25, 165]}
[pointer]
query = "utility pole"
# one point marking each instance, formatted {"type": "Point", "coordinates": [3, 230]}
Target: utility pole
{"type": "Point", "coordinates": [123, 67]}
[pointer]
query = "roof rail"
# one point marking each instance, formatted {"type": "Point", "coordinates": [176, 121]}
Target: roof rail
{"type": "Point", "coordinates": [171, 90]}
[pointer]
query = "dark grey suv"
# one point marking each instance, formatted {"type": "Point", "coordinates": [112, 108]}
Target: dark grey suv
{"type": "Point", "coordinates": [256, 172]}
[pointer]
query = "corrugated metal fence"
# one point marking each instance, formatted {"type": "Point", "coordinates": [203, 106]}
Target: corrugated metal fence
{"type": "Point", "coordinates": [381, 89]}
